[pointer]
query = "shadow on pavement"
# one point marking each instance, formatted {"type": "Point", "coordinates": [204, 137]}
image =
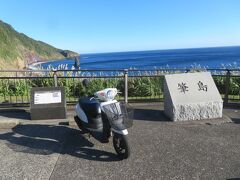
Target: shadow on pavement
{"type": "Point", "coordinates": [15, 113]}
{"type": "Point", "coordinates": [150, 115]}
{"type": "Point", "coordinates": [235, 120]}
{"type": "Point", "coordinates": [47, 139]}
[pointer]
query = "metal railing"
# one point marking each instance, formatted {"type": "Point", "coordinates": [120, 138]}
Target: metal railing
{"type": "Point", "coordinates": [135, 85]}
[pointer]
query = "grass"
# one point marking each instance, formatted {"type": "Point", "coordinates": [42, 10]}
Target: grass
{"type": "Point", "coordinates": [140, 88]}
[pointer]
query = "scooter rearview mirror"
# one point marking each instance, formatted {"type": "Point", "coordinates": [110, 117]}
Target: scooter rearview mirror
{"type": "Point", "coordinates": [85, 83]}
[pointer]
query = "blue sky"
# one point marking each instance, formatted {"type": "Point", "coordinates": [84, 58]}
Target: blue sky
{"type": "Point", "coordinates": [88, 26]}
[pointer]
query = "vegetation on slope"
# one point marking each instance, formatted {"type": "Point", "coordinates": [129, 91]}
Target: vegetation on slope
{"type": "Point", "coordinates": [17, 50]}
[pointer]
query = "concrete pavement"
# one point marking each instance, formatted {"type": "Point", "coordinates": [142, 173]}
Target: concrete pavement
{"type": "Point", "coordinates": [160, 149]}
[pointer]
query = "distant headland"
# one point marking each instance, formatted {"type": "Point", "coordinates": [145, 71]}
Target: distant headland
{"type": "Point", "coordinates": [17, 50]}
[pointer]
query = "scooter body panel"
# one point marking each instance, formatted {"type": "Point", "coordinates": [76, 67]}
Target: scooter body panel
{"type": "Point", "coordinates": [86, 127]}
{"type": "Point", "coordinates": [108, 102]}
{"type": "Point", "coordinates": [88, 111]}
{"type": "Point", "coordinates": [81, 114]}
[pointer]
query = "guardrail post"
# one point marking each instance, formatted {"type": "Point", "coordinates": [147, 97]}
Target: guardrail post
{"type": "Point", "coordinates": [227, 83]}
{"type": "Point", "coordinates": [55, 77]}
{"type": "Point", "coordinates": [126, 86]}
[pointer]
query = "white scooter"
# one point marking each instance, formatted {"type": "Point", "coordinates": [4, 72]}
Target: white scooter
{"type": "Point", "coordinates": [106, 116]}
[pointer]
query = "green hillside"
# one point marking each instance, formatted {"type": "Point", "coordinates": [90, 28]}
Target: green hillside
{"type": "Point", "coordinates": [17, 50]}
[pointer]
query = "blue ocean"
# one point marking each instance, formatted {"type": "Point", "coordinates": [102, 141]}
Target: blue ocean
{"type": "Point", "coordinates": [220, 57]}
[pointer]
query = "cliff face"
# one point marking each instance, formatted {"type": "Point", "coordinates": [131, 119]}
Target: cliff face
{"type": "Point", "coordinates": [17, 50]}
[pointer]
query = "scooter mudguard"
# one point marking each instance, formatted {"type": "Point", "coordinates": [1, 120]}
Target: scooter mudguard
{"type": "Point", "coordinates": [123, 132]}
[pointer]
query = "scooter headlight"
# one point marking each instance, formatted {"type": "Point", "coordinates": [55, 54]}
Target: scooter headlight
{"type": "Point", "coordinates": [110, 95]}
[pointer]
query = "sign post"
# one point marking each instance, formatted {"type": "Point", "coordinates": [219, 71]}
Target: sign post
{"type": "Point", "coordinates": [191, 96]}
{"type": "Point", "coordinates": [48, 103]}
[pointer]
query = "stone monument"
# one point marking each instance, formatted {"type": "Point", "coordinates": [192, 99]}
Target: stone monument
{"type": "Point", "coordinates": [191, 96]}
{"type": "Point", "coordinates": [48, 103]}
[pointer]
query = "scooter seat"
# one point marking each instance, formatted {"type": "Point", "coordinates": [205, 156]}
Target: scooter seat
{"type": "Point", "coordinates": [90, 106]}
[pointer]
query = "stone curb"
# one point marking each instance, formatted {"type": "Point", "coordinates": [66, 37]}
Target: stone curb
{"type": "Point", "coordinates": [8, 124]}
{"type": "Point", "coordinates": [72, 122]}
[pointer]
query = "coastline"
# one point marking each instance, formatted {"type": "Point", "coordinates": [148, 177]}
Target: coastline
{"type": "Point", "coordinates": [32, 66]}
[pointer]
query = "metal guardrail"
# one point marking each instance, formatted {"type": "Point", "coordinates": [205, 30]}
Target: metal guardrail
{"type": "Point", "coordinates": [135, 85]}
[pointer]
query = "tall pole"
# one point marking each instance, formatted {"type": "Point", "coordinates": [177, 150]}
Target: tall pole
{"type": "Point", "coordinates": [55, 77]}
{"type": "Point", "coordinates": [227, 84]}
{"type": "Point", "coordinates": [126, 86]}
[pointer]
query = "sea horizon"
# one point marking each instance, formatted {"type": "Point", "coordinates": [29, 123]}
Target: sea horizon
{"type": "Point", "coordinates": [204, 57]}
{"type": "Point", "coordinates": [164, 49]}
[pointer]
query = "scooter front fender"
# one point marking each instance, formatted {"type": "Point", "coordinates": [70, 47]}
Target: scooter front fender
{"type": "Point", "coordinates": [123, 132]}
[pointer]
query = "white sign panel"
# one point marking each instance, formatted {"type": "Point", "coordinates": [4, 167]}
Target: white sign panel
{"type": "Point", "coordinates": [191, 96]}
{"type": "Point", "coordinates": [47, 97]}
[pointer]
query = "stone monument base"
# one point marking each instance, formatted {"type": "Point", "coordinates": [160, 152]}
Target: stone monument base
{"type": "Point", "coordinates": [197, 111]}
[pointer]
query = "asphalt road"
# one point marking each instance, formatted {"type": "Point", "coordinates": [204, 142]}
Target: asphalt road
{"type": "Point", "coordinates": [160, 150]}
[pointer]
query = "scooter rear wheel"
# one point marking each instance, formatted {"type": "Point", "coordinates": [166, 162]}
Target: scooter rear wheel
{"type": "Point", "coordinates": [120, 144]}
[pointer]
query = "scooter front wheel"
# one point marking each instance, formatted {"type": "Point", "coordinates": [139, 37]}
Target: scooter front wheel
{"type": "Point", "coordinates": [120, 144]}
